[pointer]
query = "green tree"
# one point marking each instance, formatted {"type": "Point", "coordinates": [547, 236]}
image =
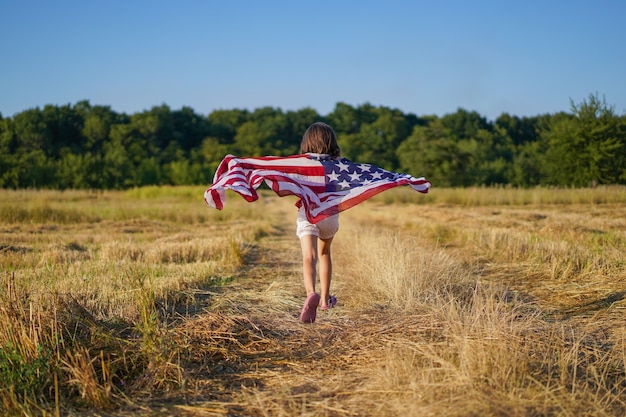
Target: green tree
{"type": "Point", "coordinates": [29, 142]}
{"type": "Point", "coordinates": [465, 124]}
{"type": "Point", "coordinates": [64, 127]}
{"type": "Point", "coordinates": [376, 142]}
{"type": "Point", "coordinates": [179, 172]}
{"type": "Point", "coordinates": [117, 172]}
{"type": "Point", "coordinates": [490, 157]}
{"type": "Point", "coordinates": [263, 134]}
{"type": "Point", "coordinates": [520, 130]}
{"type": "Point", "coordinates": [433, 152]}
{"type": "Point", "coordinates": [527, 167]}
{"type": "Point", "coordinates": [344, 119]}
{"type": "Point", "coordinates": [134, 141]}
{"type": "Point", "coordinates": [211, 153]}
{"type": "Point", "coordinates": [349, 120]}
{"type": "Point", "coordinates": [150, 130]}
{"type": "Point", "coordinates": [8, 170]}
{"type": "Point", "coordinates": [189, 128]}
{"type": "Point", "coordinates": [296, 124]}
{"type": "Point", "coordinates": [31, 132]}
{"type": "Point", "coordinates": [72, 171]}
{"type": "Point", "coordinates": [586, 148]}
{"type": "Point", "coordinates": [201, 170]}
{"type": "Point", "coordinates": [148, 172]}
{"type": "Point", "coordinates": [97, 125]}
{"type": "Point", "coordinates": [35, 170]}
{"type": "Point", "coordinates": [223, 124]}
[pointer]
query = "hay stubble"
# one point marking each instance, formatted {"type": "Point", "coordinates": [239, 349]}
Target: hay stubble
{"type": "Point", "coordinates": [444, 308]}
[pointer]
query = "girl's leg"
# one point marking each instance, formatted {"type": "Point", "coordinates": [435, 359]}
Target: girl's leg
{"type": "Point", "coordinates": [309, 261]}
{"type": "Point", "coordinates": [326, 269]}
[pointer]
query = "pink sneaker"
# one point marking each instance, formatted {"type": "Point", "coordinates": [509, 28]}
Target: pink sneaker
{"type": "Point", "coordinates": [309, 310]}
{"type": "Point", "coordinates": [332, 300]}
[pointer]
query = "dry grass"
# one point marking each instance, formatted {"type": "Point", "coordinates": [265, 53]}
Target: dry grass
{"type": "Point", "coordinates": [473, 302]}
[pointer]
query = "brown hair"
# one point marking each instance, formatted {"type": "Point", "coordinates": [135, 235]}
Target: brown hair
{"type": "Point", "coordinates": [320, 138]}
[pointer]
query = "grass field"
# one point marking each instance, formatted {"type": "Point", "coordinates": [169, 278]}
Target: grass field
{"type": "Point", "coordinates": [462, 302]}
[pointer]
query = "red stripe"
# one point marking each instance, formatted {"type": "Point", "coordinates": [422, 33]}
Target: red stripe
{"type": "Point", "coordinates": [286, 169]}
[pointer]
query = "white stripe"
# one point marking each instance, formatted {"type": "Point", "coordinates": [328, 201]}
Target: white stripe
{"type": "Point", "coordinates": [303, 179]}
{"type": "Point", "coordinates": [302, 161]}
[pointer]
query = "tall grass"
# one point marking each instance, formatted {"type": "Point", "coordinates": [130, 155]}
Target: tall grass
{"type": "Point", "coordinates": [473, 343]}
{"type": "Point", "coordinates": [168, 204]}
{"type": "Point", "coordinates": [399, 270]}
{"type": "Point", "coordinates": [508, 196]}
{"type": "Point", "coordinates": [93, 281]}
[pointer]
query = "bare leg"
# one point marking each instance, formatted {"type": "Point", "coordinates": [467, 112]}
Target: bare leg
{"type": "Point", "coordinates": [326, 269]}
{"type": "Point", "coordinates": [309, 261]}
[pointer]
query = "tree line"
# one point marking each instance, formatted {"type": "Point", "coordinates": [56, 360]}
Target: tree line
{"type": "Point", "coordinates": [85, 146]}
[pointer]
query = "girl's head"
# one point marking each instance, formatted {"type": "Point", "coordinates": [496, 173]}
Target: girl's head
{"type": "Point", "coordinates": [320, 138]}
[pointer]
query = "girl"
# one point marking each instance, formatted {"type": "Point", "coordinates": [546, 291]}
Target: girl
{"type": "Point", "coordinates": [320, 142]}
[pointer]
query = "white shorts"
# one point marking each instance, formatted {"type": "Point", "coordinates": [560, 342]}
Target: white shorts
{"type": "Point", "coordinates": [324, 229]}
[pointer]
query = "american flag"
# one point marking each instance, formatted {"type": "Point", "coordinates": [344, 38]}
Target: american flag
{"type": "Point", "coordinates": [324, 186]}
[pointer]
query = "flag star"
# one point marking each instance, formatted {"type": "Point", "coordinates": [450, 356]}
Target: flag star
{"type": "Point", "coordinates": [333, 176]}
{"type": "Point", "coordinates": [366, 182]}
{"type": "Point", "coordinates": [364, 167]}
{"type": "Point", "coordinates": [344, 184]}
{"type": "Point", "coordinates": [355, 176]}
{"type": "Point", "coordinates": [342, 166]}
{"type": "Point", "coordinates": [376, 175]}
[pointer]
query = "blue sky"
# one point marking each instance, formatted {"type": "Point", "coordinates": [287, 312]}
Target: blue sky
{"type": "Point", "coordinates": [524, 57]}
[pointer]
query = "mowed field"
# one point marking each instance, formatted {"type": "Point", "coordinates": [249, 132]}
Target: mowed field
{"type": "Point", "coordinates": [462, 302]}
